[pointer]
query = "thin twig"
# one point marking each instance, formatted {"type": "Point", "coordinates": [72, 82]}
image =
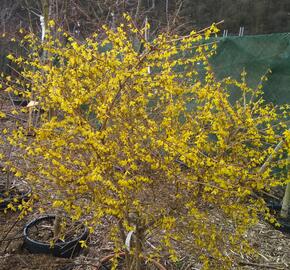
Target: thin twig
{"type": "Point", "coordinates": [196, 33]}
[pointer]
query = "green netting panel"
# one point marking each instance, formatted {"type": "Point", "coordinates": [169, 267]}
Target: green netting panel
{"type": "Point", "coordinates": [257, 54]}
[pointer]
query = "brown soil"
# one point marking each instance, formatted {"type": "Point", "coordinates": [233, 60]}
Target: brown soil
{"type": "Point", "coordinates": [273, 250]}
{"type": "Point", "coordinates": [106, 265]}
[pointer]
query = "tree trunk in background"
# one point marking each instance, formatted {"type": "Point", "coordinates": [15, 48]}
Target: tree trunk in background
{"type": "Point", "coordinates": [286, 199]}
{"type": "Point", "coordinates": [286, 202]}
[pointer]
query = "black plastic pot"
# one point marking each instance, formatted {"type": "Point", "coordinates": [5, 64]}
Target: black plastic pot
{"type": "Point", "coordinates": [284, 225]}
{"type": "Point", "coordinates": [20, 102]}
{"type": "Point", "coordinates": [276, 206]}
{"type": "Point", "coordinates": [23, 192]}
{"type": "Point", "coordinates": [61, 249]}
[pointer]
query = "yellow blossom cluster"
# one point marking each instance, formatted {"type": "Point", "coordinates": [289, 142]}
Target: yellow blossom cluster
{"type": "Point", "coordinates": [161, 150]}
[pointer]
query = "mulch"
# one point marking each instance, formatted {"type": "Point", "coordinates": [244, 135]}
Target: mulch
{"type": "Point", "coordinates": [273, 246]}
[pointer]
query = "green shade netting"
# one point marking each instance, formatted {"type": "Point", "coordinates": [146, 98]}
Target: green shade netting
{"type": "Point", "coordinates": [256, 55]}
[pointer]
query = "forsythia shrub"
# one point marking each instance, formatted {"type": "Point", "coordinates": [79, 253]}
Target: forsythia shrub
{"type": "Point", "coordinates": [163, 152]}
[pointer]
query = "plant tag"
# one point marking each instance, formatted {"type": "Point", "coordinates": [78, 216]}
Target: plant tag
{"type": "Point", "coordinates": [32, 104]}
{"type": "Point", "coordinates": [128, 240]}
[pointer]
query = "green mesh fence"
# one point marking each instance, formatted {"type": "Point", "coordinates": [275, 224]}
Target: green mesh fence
{"type": "Point", "coordinates": [257, 54]}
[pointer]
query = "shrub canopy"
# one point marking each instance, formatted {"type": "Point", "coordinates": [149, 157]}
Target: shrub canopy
{"type": "Point", "coordinates": [140, 137]}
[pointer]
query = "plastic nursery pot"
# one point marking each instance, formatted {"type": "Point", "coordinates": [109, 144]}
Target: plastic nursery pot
{"type": "Point", "coordinates": [284, 225]}
{"type": "Point", "coordinates": [105, 263]}
{"type": "Point", "coordinates": [64, 249]}
{"type": "Point", "coordinates": [20, 192]}
{"type": "Point", "coordinates": [20, 102]}
{"type": "Point", "coordinates": [276, 206]}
